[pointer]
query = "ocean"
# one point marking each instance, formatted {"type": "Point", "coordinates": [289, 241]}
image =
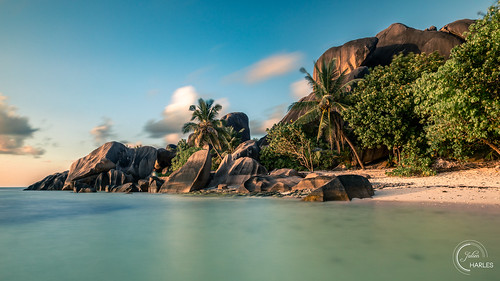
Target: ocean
{"type": "Point", "coordinates": [56, 235]}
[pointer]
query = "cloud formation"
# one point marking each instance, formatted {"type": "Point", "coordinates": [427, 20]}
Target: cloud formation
{"type": "Point", "coordinates": [275, 115]}
{"type": "Point", "coordinates": [300, 89]}
{"type": "Point", "coordinates": [267, 68]}
{"type": "Point", "coordinates": [102, 132]}
{"type": "Point", "coordinates": [14, 130]}
{"type": "Point", "coordinates": [176, 113]}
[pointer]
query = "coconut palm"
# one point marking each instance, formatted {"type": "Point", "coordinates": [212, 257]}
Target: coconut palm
{"type": "Point", "coordinates": [326, 105]}
{"type": "Point", "coordinates": [206, 128]}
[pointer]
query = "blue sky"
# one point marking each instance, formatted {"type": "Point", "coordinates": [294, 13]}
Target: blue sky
{"type": "Point", "coordinates": [74, 74]}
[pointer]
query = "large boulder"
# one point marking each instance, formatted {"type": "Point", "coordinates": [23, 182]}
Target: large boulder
{"type": "Point", "coordinates": [262, 183]}
{"type": "Point", "coordinates": [333, 190]}
{"type": "Point", "coordinates": [98, 161]}
{"type": "Point", "coordinates": [51, 182]}
{"type": "Point", "coordinates": [137, 162]}
{"type": "Point", "coordinates": [126, 188]}
{"type": "Point", "coordinates": [458, 28]}
{"type": "Point", "coordinates": [194, 175]}
{"type": "Point", "coordinates": [399, 38]}
{"type": "Point", "coordinates": [356, 186]}
{"type": "Point", "coordinates": [239, 121]}
{"type": "Point", "coordinates": [249, 148]}
{"type": "Point", "coordinates": [284, 172]}
{"type": "Point", "coordinates": [164, 158]}
{"type": "Point", "coordinates": [111, 179]}
{"type": "Point", "coordinates": [236, 172]}
{"type": "Point", "coordinates": [312, 183]}
{"type": "Point", "coordinates": [349, 56]}
{"type": "Point", "coordinates": [342, 188]}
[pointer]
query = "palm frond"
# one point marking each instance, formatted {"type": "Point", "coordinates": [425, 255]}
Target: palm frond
{"type": "Point", "coordinates": [309, 116]}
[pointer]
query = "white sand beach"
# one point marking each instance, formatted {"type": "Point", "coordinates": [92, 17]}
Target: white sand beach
{"type": "Point", "coordinates": [472, 186]}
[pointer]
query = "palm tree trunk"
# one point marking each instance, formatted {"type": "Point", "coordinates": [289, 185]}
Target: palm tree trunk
{"type": "Point", "coordinates": [492, 146]}
{"type": "Point", "coordinates": [354, 150]}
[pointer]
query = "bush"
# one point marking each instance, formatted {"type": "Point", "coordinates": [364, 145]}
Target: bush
{"type": "Point", "coordinates": [383, 109]}
{"type": "Point", "coordinates": [184, 151]}
{"type": "Point", "coordinates": [288, 141]}
{"type": "Point", "coordinates": [461, 101]}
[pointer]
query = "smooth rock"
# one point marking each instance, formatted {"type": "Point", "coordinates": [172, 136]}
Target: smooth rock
{"type": "Point", "coordinates": [458, 27]}
{"type": "Point", "coordinates": [239, 121]}
{"type": "Point", "coordinates": [98, 161]}
{"type": "Point", "coordinates": [285, 172]}
{"type": "Point", "coordinates": [312, 183]}
{"type": "Point", "coordinates": [126, 188]}
{"type": "Point", "coordinates": [399, 38]}
{"type": "Point", "coordinates": [249, 148]}
{"type": "Point", "coordinates": [194, 175]}
{"type": "Point", "coordinates": [356, 186]}
{"type": "Point", "coordinates": [242, 169]}
{"type": "Point", "coordinates": [51, 182]}
{"type": "Point", "coordinates": [333, 190]}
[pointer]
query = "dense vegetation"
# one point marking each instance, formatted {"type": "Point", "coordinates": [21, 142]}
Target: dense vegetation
{"type": "Point", "coordinates": [383, 110]}
{"type": "Point", "coordinates": [420, 107]}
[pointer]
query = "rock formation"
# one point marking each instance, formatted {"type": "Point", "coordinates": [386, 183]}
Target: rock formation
{"type": "Point", "coordinates": [341, 188]}
{"type": "Point", "coordinates": [239, 121]}
{"type": "Point", "coordinates": [51, 182]}
{"type": "Point", "coordinates": [194, 175]}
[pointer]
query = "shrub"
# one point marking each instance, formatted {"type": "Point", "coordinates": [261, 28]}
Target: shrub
{"type": "Point", "coordinates": [461, 101]}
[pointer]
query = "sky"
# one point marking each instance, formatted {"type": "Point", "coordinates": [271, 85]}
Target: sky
{"type": "Point", "coordinates": [75, 74]}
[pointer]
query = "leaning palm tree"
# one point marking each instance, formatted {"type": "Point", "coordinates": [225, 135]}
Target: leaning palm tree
{"type": "Point", "coordinates": [326, 105]}
{"type": "Point", "coordinates": [207, 129]}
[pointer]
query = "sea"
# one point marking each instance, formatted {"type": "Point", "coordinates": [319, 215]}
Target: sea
{"type": "Point", "coordinates": [58, 235]}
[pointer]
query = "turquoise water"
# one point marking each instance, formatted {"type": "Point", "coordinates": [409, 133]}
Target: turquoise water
{"type": "Point", "coordinates": [48, 235]}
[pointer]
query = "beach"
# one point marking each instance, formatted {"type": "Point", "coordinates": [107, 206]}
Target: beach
{"type": "Point", "coordinates": [478, 186]}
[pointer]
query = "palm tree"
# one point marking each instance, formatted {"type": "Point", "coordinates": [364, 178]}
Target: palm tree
{"type": "Point", "coordinates": [327, 105]}
{"type": "Point", "coordinates": [207, 129]}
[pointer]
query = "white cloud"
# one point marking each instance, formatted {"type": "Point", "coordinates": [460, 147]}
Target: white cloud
{"type": "Point", "coordinates": [173, 138]}
{"type": "Point", "coordinates": [275, 115]}
{"type": "Point", "coordinates": [269, 67]}
{"type": "Point", "coordinates": [176, 113]}
{"type": "Point", "coordinates": [14, 130]}
{"type": "Point", "coordinates": [102, 132]}
{"type": "Point", "coordinates": [300, 89]}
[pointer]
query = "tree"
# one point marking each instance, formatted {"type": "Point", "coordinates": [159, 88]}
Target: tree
{"type": "Point", "coordinates": [207, 129]}
{"type": "Point", "coordinates": [289, 142]}
{"type": "Point", "coordinates": [462, 99]}
{"type": "Point", "coordinates": [327, 106]}
{"type": "Point", "coordinates": [383, 107]}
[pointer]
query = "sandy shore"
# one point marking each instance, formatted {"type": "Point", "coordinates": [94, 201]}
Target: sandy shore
{"type": "Point", "coordinates": [474, 186]}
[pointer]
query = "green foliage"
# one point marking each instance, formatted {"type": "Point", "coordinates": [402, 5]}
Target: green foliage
{"type": "Point", "coordinates": [461, 101]}
{"type": "Point", "coordinates": [288, 145]}
{"type": "Point", "coordinates": [383, 103]}
{"type": "Point", "coordinates": [272, 160]}
{"type": "Point", "coordinates": [206, 128]}
{"type": "Point", "coordinates": [184, 151]}
{"type": "Point", "coordinates": [383, 110]}
{"type": "Point", "coordinates": [327, 105]}
{"type": "Point", "coordinates": [415, 161]}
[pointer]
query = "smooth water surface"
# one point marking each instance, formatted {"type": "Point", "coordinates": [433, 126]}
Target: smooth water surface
{"type": "Point", "coordinates": [50, 235]}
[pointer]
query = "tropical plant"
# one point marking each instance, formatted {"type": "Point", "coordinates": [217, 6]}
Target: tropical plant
{"type": "Point", "coordinates": [289, 141]}
{"type": "Point", "coordinates": [184, 151]}
{"type": "Point", "coordinates": [462, 99]}
{"type": "Point", "coordinates": [383, 107]}
{"type": "Point", "coordinates": [327, 105]}
{"type": "Point", "coordinates": [206, 129]}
